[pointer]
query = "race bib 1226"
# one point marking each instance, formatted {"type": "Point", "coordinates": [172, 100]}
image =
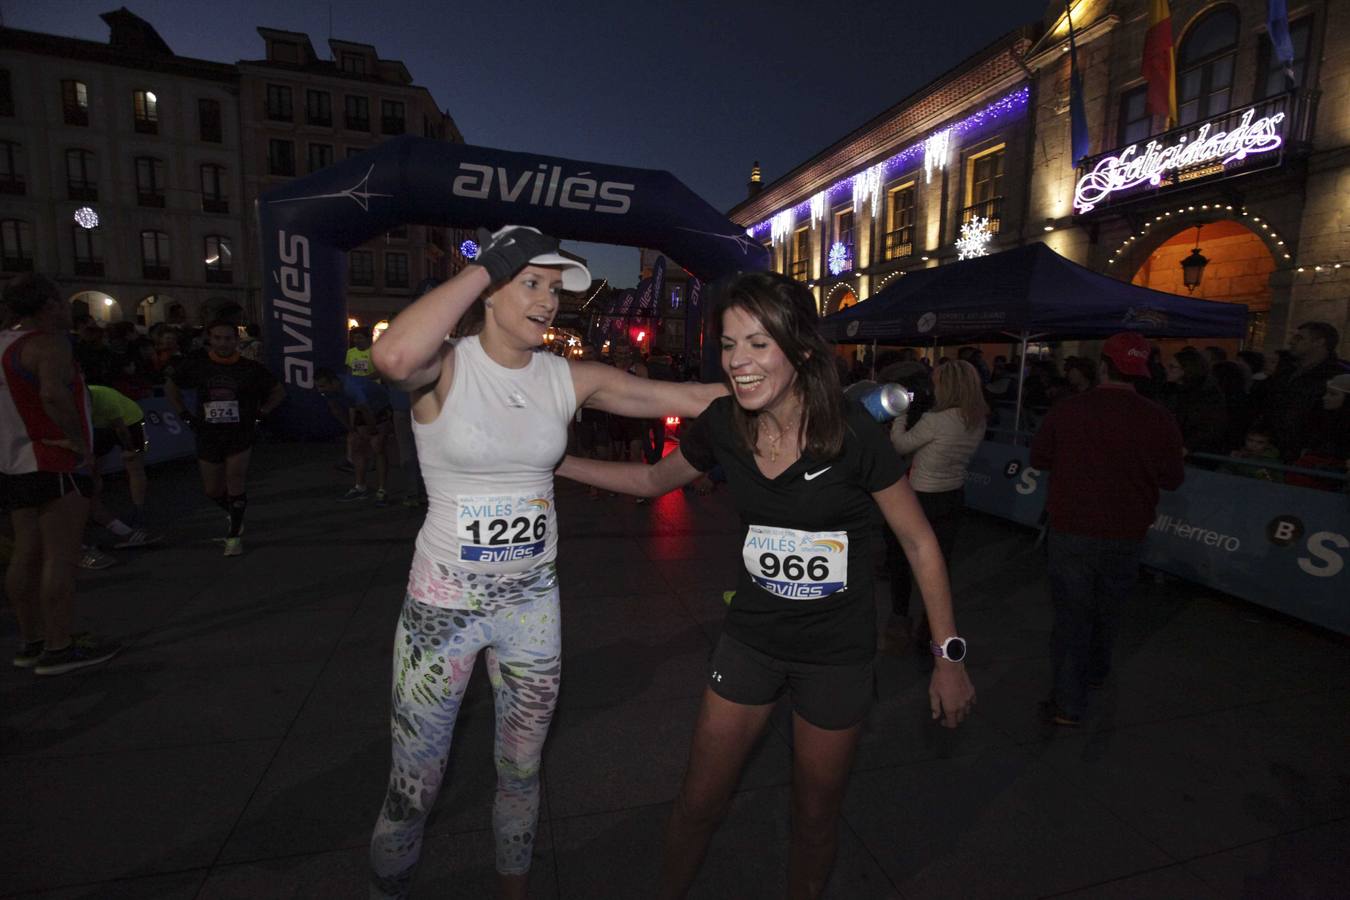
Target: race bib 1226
{"type": "Point", "coordinates": [797, 564]}
{"type": "Point", "coordinates": [497, 528]}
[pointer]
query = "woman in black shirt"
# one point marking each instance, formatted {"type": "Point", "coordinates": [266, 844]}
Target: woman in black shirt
{"type": "Point", "coordinates": [805, 467]}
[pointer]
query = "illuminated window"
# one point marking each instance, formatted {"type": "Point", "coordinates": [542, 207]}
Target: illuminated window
{"type": "Point", "coordinates": [900, 221]}
{"type": "Point", "coordinates": [219, 259]}
{"type": "Point", "coordinates": [801, 255]}
{"type": "Point", "coordinates": [75, 102]}
{"type": "Point", "coordinates": [145, 108]}
{"type": "Point", "coordinates": [984, 187]}
{"type": "Point", "coordinates": [1272, 79]}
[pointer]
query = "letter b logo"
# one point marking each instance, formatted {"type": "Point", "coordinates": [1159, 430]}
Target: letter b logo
{"type": "Point", "coordinates": [1284, 530]}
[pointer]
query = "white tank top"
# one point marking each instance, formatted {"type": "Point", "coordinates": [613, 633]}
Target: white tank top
{"type": "Point", "coordinates": [488, 463]}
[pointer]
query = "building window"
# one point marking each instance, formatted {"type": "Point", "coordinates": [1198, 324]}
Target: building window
{"type": "Point", "coordinates": [75, 102]}
{"type": "Point", "coordinates": [213, 189]}
{"type": "Point", "coordinates": [319, 108]}
{"type": "Point", "coordinates": [396, 270]}
{"type": "Point", "coordinates": [320, 156]}
{"type": "Point", "coordinates": [361, 268]}
{"type": "Point", "coordinates": [900, 221]}
{"type": "Point", "coordinates": [16, 246]}
{"type": "Point", "coordinates": [1135, 122]}
{"type": "Point", "coordinates": [145, 108]}
{"type": "Point", "coordinates": [843, 234]}
{"type": "Point", "coordinates": [219, 259]}
{"type": "Point", "coordinates": [81, 178]}
{"type": "Point", "coordinates": [280, 157]}
{"type": "Point", "coordinates": [279, 103]}
{"type": "Point", "coordinates": [150, 181]}
{"type": "Point", "coordinates": [984, 188]}
{"type": "Point", "coordinates": [1205, 66]}
{"type": "Point", "coordinates": [155, 255]}
{"type": "Point", "coordinates": [1272, 79]}
{"type": "Point", "coordinates": [352, 63]}
{"type": "Point", "coordinates": [87, 244]}
{"type": "Point", "coordinates": [358, 113]}
{"type": "Point", "coordinates": [208, 112]}
{"type": "Point", "coordinates": [391, 117]}
{"type": "Point", "coordinates": [6, 94]}
{"type": "Point", "coordinates": [11, 169]}
{"type": "Point", "coordinates": [801, 255]}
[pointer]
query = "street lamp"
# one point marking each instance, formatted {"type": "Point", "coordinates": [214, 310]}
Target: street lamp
{"type": "Point", "coordinates": [1193, 266]}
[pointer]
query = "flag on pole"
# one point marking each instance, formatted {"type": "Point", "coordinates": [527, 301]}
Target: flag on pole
{"type": "Point", "coordinates": [1159, 68]}
{"type": "Point", "coordinates": [1078, 127]}
{"type": "Point", "coordinates": [1277, 21]}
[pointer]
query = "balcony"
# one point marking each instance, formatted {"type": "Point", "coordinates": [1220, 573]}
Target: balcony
{"type": "Point", "coordinates": [76, 115]}
{"type": "Point", "coordinates": [77, 191]}
{"type": "Point", "coordinates": [154, 273]}
{"type": "Point", "coordinates": [900, 243]}
{"type": "Point", "coordinates": [89, 268]}
{"type": "Point", "coordinates": [14, 184]}
{"type": "Point", "coordinates": [153, 199]}
{"type": "Point", "coordinates": [147, 126]}
{"type": "Point", "coordinates": [799, 269]}
{"type": "Point", "coordinates": [991, 209]}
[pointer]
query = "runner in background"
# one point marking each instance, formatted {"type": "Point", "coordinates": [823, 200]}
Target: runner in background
{"type": "Point", "coordinates": [119, 424]}
{"type": "Point", "coordinates": [363, 405]}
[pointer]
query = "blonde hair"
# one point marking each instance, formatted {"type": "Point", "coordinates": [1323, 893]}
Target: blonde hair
{"type": "Point", "coordinates": [956, 384]}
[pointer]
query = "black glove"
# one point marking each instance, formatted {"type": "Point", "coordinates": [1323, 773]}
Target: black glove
{"type": "Point", "coordinates": [513, 248]}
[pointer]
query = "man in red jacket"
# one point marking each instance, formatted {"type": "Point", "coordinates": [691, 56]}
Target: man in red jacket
{"type": "Point", "coordinates": [1109, 451]}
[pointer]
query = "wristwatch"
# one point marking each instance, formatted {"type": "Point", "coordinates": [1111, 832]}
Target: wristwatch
{"type": "Point", "coordinates": [953, 649]}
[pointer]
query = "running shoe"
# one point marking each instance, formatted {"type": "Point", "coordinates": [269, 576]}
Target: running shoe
{"type": "Point", "coordinates": [94, 558]}
{"type": "Point", "coordinates": [234, 546]}
{"type": "Point", "coordinates": [79, 655]}
{"type": "Point", "coordinates": [354, 494]}
{"type": "Point", "coordinates": [138, 538]}
{"type": "Point", "coordinates": [381, 498]}
{"type": "Point", "coordinates": [27, 655]}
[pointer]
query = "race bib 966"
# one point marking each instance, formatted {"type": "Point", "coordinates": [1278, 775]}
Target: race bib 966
{"type": "Point", "coordinates": [797, 564]}
{"type": "Point", "coordinates": [502, 528]}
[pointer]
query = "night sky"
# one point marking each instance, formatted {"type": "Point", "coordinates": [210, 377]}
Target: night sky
{"type": "Point", "coordinates": [700, 88]}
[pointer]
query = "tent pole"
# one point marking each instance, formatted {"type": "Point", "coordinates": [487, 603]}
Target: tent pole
{"type": "Point", "coordinates": [1021, 380]}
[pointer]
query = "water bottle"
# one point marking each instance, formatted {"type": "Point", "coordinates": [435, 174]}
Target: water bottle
{"type": "Point", "coordinates": [887, 401]}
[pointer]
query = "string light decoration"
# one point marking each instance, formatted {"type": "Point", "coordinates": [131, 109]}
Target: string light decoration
{"type": "Point", "coordinates": [1272, 238]}
{"type": "Point", "coordinates": [469, 249]}
{"type": "Point", "coordinates": [86, 218]}
{"type": "Point", "coordinates": [974, 240]}
{"type": "Point", "coordinates": [1012, 104]}
{"type": "Point", "coordinates": [867, 186]}
{"type": "Point", "coordinates": [817, 208]}
{"type": "Point", "coordinates": [839, 258]}
{"type": "Point", "coordinates": [887, 279]}
{"type": "Point", "coordinates": [936, 149]}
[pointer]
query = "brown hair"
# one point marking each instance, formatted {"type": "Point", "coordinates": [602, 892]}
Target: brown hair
{"type": "Point", "coordinates": [956, 385]}
{"type": "Point", "coordinates": [787, 311]}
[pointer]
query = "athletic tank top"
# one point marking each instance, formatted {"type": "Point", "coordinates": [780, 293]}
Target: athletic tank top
{"type": "Point", "coordinates": [488, 463]}
{"type": "Point", "coordinates": [24, 423]}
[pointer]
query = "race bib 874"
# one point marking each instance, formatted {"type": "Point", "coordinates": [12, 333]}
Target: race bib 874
{"type": "Point", "coordinates": [495, 528]}
{"type": "Point", "coordinates": [797, 564]}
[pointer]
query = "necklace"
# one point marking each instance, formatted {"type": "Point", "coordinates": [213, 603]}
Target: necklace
{"type": "Point", "coordinates": [775, 439]}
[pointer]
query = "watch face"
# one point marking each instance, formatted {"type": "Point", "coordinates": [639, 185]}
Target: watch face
{"type": "Point", "coordinates": [955, 649]}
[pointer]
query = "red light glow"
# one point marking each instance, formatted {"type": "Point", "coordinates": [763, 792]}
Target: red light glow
{"type": "Point", "coordinates": [672, 421]}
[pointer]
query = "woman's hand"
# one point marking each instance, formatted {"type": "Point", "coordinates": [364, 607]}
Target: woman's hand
{"type": "Point", "coordinates": [950, 693]}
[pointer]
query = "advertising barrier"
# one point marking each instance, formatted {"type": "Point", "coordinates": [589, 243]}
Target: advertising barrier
{"type": "Point", "coordinates": [1282, 547]}
{"type": "Point", "coordinates": [165, 435]}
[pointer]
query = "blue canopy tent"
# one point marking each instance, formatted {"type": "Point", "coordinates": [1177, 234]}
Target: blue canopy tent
{"type": "Point", "coordinates": [1027, 293]}
{"type": "Point", "coordinates": [308, 225]}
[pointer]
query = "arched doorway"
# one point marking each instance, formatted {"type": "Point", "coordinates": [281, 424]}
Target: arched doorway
{"type": "Point", "coordinates": [839, 298]}
{"type": "Point", "coordinates": [103, 307]}
{"type": "Point", "coordinates": [1239, 270]}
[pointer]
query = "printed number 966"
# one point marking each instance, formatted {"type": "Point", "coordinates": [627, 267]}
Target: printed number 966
{"type": "Point", "coordinates": [794, 567]}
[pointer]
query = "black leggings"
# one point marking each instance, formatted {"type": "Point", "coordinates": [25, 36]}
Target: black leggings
{"type": "Point", "coordinates": [944, 510]}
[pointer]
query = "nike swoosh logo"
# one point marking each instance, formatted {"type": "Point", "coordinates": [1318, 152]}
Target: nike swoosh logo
{"type": "Point", "coordinates": [809, 475]}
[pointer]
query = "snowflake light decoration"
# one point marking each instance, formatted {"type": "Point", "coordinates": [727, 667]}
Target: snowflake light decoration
{"type": "Point", "coordinates": [86, 218]}
{"type": "Point", "coordinates": [469, 249]}
{"type": "Point", "coordinates": [975, 238]}
{"type": "Point", "coordinates": [839, 258]}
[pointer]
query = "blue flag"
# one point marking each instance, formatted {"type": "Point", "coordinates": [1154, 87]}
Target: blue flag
{"type": "Point", "coordinates": [1277, 20]}
{"type": "Point", "coordinates": [1078, 127]}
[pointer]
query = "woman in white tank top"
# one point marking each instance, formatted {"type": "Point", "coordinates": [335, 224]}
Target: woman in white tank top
{"type": "Point", "coordinates": [490, 417]}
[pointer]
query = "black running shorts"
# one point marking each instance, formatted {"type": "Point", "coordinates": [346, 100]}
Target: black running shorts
{"type": "Point", "coordinates": [216, 443]}
{"type": "Point", "coordinates": [37, 489]}
{"type": "Point", "coordinates": [833, 697]}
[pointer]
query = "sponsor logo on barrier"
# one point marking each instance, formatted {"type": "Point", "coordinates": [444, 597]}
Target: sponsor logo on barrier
{"type": "Point", "coordinates": [926, 322]}
{"type": "Point", "coordinates": [978, 478]}
{"type": "Point", "coordinates": [544, 187]}
{"type": "Point", "coordinates": [358, 193]}
{"type": "Point", "coordinates": [293, 309]}
{"type": "Point", "coordinates": [1186, 531]}
{"type": "Point", "coordinates": [1012, 469]}
{"type": "Point", "coordinates": [1284, 530]}
{"type": "Point", "coordinates": [1328, 562]}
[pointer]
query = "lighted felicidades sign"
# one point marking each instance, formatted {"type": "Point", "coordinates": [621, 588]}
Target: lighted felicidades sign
{"type": "Point", "coordinates": [1200, 154]}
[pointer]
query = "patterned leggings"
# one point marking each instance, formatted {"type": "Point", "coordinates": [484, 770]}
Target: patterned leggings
{"type": "Point", "coordinates": [516, 622]}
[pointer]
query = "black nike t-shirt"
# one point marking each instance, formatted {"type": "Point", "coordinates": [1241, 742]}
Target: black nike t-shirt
{"type": "Point", "coordinates": [228, 394]}
{"type": "Point", "coordinates": [805, 588]}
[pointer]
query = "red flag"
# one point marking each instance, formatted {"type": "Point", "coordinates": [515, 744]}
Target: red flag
{"type": "Point", "coordinates": [1159, 68]}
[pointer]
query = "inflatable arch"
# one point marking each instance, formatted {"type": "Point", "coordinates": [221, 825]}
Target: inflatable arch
{"type": "Point", "coordinates": [308, 225]}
